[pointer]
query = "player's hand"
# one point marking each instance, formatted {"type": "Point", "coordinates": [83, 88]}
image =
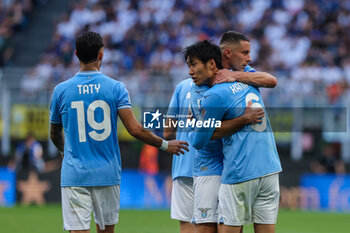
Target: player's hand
{"type": "Point", "coordinates": [253, 115]}
{"type": "Point", "coordinates": [176, 147]}
{"type": "Point", "coordinates": [225, 76]}
{"type": "Point", "coordinates": [189, 114]}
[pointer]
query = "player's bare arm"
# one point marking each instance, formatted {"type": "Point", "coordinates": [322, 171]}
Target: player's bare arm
{"type": "Point", "coordinates": [136, 130]}
{"type": "Point", "coordinates": [170, 132]}
{"type": "Point", "coordinates": [228, 127]}
{"type": "Point", "coordinates": [57, 136]}
{"type": "Point", "coordinates": [258, 79]}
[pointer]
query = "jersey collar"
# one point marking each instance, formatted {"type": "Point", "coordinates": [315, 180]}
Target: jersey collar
{"type": "Point", "coordinates": [88, 72]}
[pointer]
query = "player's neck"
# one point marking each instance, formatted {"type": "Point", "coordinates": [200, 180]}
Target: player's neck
{"type": "Point", "coordinates": [212, 79]}
{"type": "Point", "coordinates": [225, 64]}
{"type": "Point", "coordinates": [93, 66]}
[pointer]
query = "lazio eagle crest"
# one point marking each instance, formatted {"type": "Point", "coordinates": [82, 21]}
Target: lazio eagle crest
{"type": "Point", "coordinates": [204, 212]}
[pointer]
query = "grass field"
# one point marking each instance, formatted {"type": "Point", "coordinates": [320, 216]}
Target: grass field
{"type": "Point", "coordinates": [48, 219]}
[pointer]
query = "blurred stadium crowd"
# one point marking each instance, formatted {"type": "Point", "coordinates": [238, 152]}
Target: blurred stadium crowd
{"type": "Point", "coordinates": [304, 43]}
{"type": "Point", "coordinates": [14, 16]}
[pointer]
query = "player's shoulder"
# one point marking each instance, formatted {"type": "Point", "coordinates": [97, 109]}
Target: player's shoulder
{"type": "Point", "coordinates": [108, 79]}
{"type": "Point", "coordinates": [220, 89]}
{"type": "Point", "coordinates": [184, 86]}
{"type": "Point", "coordinates": [113, 83]}
{"type": "Point", "coordinates": [63, 85]}
{"type": "Point", "coordinates": [216, 95]}
{"type": "Point", "coordinates": [202, 88]}
{"type": "Point", "coordinates": [185, 83]}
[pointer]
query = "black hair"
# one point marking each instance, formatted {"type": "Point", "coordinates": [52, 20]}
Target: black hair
{"type": "Point", "coordinates": [204, 51]}
{"type": "Point", "coordinates": [232, 37]}
{"type": "Point", "coordinates": [87, 46]}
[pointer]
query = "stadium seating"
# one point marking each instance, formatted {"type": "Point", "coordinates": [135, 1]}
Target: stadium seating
{"type": "Point", "coordinates": [304, 43]}
{"type": "Point", "coordinates": [14, 16]}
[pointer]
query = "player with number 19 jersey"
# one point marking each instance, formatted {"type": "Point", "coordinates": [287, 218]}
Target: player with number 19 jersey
{"type": "Point", "coordinates": [249, 153]}
{"type": "Point", "coordinates": [87, 105]}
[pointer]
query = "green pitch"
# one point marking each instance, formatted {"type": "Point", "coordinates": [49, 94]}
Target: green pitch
{"type": "Point", "coordinates": [48, 219]}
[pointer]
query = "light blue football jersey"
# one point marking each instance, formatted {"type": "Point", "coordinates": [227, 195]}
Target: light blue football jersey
{"type": "Point", "coordinates": [208, 160]}
{"type": "Point", "coordinates": [179, 106]}
{"type": "Point", "coordinates": [248, 68]}
{"type": "Point", "coordinates": [87, 105]}
{"type": "Point", "coordinates": [251, 152]}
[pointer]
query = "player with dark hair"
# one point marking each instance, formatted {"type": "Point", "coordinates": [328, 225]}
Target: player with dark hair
{"type": "Point", "coordinates": [249, 190]}
{"type": "Point", "coordinates": [202, 58]}
{"type": "Point", "coordinates": [86, 107]}
{"type": "Point", "coordinates": [205, 51]}
{"type": "Point", "coordinates": [182, 198]}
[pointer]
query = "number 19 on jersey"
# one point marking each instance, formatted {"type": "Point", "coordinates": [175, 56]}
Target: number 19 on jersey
{"type": "Point", "coordinates": [105, 125]}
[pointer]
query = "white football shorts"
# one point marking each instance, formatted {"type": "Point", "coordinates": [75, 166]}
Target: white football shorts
{"type": "Point", "coordinates": [206, 191]}
{"type": "Point", "coordinates": [253, 201]}
{"type": "Point", "coordinates": [78, 202]}
{"type": "Point", "coordinates": [182, 199]}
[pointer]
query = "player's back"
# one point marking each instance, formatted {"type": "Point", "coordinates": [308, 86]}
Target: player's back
{"type": "Point", "coordinates": [88, 104]}
{"type": "Point", "coordinates": [251, 152]}
{"type": "Point", "coordinates": [179, 106]}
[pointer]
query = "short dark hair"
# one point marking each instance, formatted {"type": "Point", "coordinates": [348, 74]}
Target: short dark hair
{"type": "Point", "coordinates": [87, 46]}
{"type": "Point", "coordinates": [232, 37]}
{"type": "Point", "coordinates": [204, 51]}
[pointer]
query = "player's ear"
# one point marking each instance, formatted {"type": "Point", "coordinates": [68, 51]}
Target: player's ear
{"type": "Point", "coordinates": [211, 64]}
{"type": "Point", "coordinates": [100, 54]}
{"type": "Point", "coordinates": [227, 53]}
{"type": "Point", "coordinates": [75, 52]}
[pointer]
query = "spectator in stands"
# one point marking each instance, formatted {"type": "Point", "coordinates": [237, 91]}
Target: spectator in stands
{"type": "Point", "coordinates": [13, 18]}
{"type": "Point", "coordinates": [329, 162]}
{"type": "Point", "coordinates": [150, 34]}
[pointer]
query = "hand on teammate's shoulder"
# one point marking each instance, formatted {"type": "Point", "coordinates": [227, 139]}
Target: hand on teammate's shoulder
{"type": "Point", "coordinates": [225, 76]}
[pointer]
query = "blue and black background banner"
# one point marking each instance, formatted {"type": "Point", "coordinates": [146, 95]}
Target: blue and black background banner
{"type": "Point", "coordinates": [139, 190]}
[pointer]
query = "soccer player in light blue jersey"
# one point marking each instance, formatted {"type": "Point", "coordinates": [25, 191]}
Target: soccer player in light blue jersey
{"type": "Point", "coordinates": [249, 191]}
{"type": "Point", "coordinates": [86, 107]}
{"type": "Point", "coordinates": [182, 191]}
{"type": "Point", "coordinates": [182, 166]}
{"type": "Point", "coordinates": [208, 160]}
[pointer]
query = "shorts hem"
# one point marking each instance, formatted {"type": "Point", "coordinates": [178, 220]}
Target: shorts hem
{"type": "Point", "coordinates": [75, 228]}
{"type": "Point", "coordinates": [234, 224]}
{"type": "Point", "coordinates": [181, 219]}
{"type": "Point", "coordinates": [108, 223]}
{"type": "Point", "coordinates": [207, 221]}
{"type": "Point", "coordinates": [265, 222]}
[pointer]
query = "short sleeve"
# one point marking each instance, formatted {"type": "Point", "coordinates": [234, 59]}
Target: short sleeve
{"type": "Point", "coordinates": [55, 115]}
{"type": "Point", "coordinates": [124, 98]}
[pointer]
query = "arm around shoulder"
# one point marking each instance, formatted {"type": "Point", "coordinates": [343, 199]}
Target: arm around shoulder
{"type": "Point", "coordinates": [258, 79]}
{"type": "Point", "coordinates": [136, 130]}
